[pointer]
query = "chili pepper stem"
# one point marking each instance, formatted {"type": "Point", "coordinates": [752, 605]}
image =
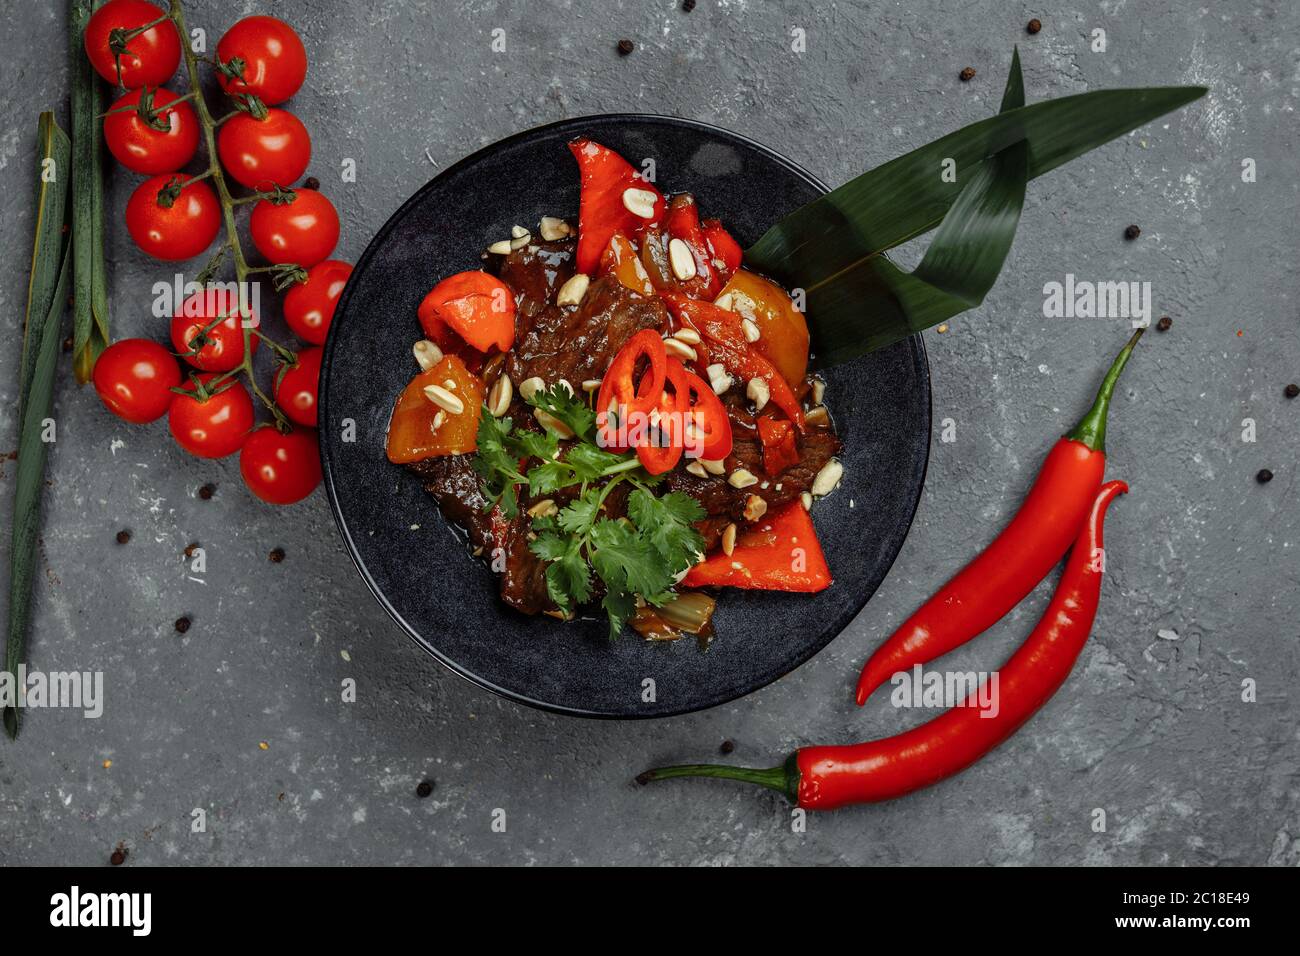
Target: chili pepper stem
{"type": "Point", "coordinates": [1091, 430]}
{"type": "Point", "coordinates": [783, 779]}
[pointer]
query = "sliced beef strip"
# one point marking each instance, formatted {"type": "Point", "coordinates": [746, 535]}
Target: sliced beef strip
{"type": "Point", "coordinates": [725, 504]}
{"type": "Point", "coordinates": [578, 344]}
{"type": "Point", "coordinates": [455, 487]}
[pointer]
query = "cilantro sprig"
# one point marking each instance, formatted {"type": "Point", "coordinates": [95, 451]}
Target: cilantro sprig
{"type": "Point", "coordinates": [641, 555]}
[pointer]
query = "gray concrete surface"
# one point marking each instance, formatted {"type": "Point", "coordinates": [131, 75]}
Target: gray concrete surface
{"type": "Point", "coordinates": [1151, 730]}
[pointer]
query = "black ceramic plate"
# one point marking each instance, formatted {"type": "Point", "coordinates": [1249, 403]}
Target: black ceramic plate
{"type": "Point", "coordinates": [415, 563]}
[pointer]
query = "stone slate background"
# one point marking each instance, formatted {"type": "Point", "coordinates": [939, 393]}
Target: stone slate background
{"type": "Point", "coordinates": [1151, 729]}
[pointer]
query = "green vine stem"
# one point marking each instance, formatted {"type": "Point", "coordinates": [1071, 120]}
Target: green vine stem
{"type": "Point", "coordinates": [232, 244]}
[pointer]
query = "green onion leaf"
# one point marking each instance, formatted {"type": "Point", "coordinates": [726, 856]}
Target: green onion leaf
{"type": "Point", "coordinates": [47, 294]}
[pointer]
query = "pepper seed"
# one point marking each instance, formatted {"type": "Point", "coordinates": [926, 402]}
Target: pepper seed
{"type": "Point", "coordinates": [1292, 390]}
{"type": "Point", "coordinates": [276, 555]}
{"type": "Point", "coordinates": [1132, 232]}
{"type": "Point", "coordinates": [123, 536]}
{"type": "Point", "coordinates": [207, 491]}
{"type": "Point", "coordinates": [424, 789]}
{"type": "Point", "coordinates": [1165, 324]}
{"type": "Point", "coordinates": [182, 625]}
{"type": "Point", "coordinates": [625, 46]}
{"type": "Point", "coordinates": [688, 6]}
{"type": "Point", "coordinates": [727, 746]}
{"type": "Point", "coordinates": [1264, 476]}
{"type": "Point", "coordinates": [118, 857]}
{"type": "Point", "coordinates": [966, 75]}
{"type": "Point", "coordinates": [1033, 26]}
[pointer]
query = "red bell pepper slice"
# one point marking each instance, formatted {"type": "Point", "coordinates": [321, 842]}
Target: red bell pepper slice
{"type": "Point", "coordinates": [701, 409]}
{"type": "Point", "coordinates": [779, 553]}
{"type": "Point", "coordinates": [631, 398]}
{"type": "Point", "coordinates": [683, 223]}
{"type": "Point", "coordinates": [723, 246]}
{"type": "Point", "coordinates": [478, 307]}
{"type": "Point", "coordinates": [727, 345]}
{"type": "Point", "coordinates": [779, 448]}
{"type": "Point", "coordinates": [605, 176]}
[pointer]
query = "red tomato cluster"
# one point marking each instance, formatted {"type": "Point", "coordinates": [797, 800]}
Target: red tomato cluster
{"type": "Point", "coordinates": [153, 131]}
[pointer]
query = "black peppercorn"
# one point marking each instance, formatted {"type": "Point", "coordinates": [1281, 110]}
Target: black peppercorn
{"type": "Point", "coordinates": [1292, 390]}
{"type": "Point", "coordinates": [276, 555]}
{"type": "Point", "coordinates": [123, 536]}
{"type": "Point", "coordinates": [1132, 232]}
{"type": "Point", "coordinates": [966, 75]}
{"type": "Point", "coordinates": [118, 857]}
{"type": "Point", "coordinates": [1264, 476]}
{"type": "Point", "coordinates": [688, 6]}
{"type": "Point", "coordinates": [191, 548]}
{"type": "Point", "coordinates": [311, 182]}
{"type": "Point", "coordinates": [1034, 25]}
{"type": "Point", "coordinates": [1164, 324]}
{"type": "Point", "coordinates": [727, 746]}
{"type": "Point", "coordinates": [424, 789]}
{"type": "Point", "coordinates": [182, 625]}
{"type": "Point", "coordinates": [207, 491]}
{"type": "Point", "coordinates": [625, 46]}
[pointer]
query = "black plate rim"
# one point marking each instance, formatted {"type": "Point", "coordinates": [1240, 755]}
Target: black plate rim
{"type": "Point", "coordinates": [835, 628]}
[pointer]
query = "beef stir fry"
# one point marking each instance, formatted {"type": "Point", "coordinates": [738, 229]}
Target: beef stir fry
{"type": "Point", "coordinates": [619, 414]}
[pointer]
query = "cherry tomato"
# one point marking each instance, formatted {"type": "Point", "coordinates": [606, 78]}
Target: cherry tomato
{"type": "Point", "coordinates": [215, 428]}
{"type": "Point", "coordinates": [222, 348]}
{"type": "Point", "coordinates": [151, 57]}
{"type": "Point", "coordinates": [295, 391]}
{"type": "Point", "coordinates": [266, 152]}
{"type": "Point", "coordinates": [180, 231]}
{"type": "Point", "coordinates": [309, 306]}
{"type": "Point", "coordinates": [281, 468]}
{"type": "Point", "coordinates": [304, 231]}
{"type": "Point", "coordinates": [141, 148]}
{"type": "Point", "coordinates": [275, 62]}
{"type": "Point", "coordinates": [134, 379]}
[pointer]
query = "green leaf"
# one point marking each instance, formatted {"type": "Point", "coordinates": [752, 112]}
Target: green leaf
{"type": "Point", "coordinates": [47, 294]}
{"type": "Point", "coordinates": [619, 607]}
{"type": "Point", "coordinates": [90, 333]}
{"type": "Point", "coordinates": [833, 248]}
{"type": "Point", "coordinates": [626, 561]}
{"type": "Point", "coordinates": [666, 523]}
{"type": "Point", "coordinates": [568, 408]}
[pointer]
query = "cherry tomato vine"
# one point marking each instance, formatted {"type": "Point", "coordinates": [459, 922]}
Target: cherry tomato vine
{"type": "Point", "coordinates": [151, 130]}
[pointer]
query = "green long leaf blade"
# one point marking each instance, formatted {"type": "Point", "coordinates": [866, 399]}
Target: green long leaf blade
{"type": "Point", "coordinates": [52, 172]}
{"type": "Point", "coordinates": [51, 268]}
{"type": "Point", "coordinates": [89, 280]}
{"type": "Point", "coordinates": [833, 248]}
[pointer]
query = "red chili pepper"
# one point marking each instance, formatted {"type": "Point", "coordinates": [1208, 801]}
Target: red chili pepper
{"type": "Point", "coordinates": [478, 307]}
{"type": "Point", "coordinates": [606, 176]}
{"type": "Point", "coordinates": [662, 447]}
{"type": "Point", "coordinates": [727, 345]}
{"type": "Point", "coordinates": [683, 222]}
{"type": "Point", "coordinates": [630, 398]}
{"type": "Point", "coordinates": [1020, 557]}
{"type": "Point", "coordinates": [723, 246]}
{"type": "Point", "coordinates": [779, 553]}
{"type": "Point", "coordinates": [779, 448]}
{"type": "Point", "coordinates": [697, 404]}
{"type": "Point", "coordinates": [823, 778]}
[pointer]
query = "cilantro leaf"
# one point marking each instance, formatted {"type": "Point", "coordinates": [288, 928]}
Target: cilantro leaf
{"type": "Point", "coordinates": [619, 606]}
{"type": "Point", "coordinates": [495, 464]}
{"type": "Point", "coordinates": [667, 523]}
{"type": "Point", "coordinates": [568, 579]}
{"type": "Point", "coordinates": [621, 557]}
{"type": "Point", "coordinates": [568, 408]}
